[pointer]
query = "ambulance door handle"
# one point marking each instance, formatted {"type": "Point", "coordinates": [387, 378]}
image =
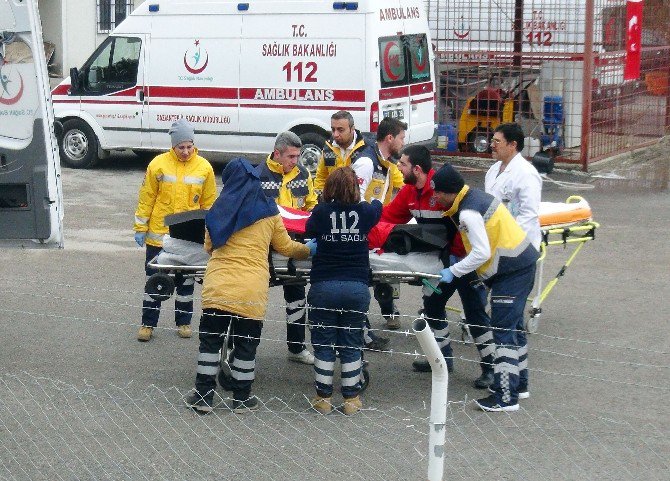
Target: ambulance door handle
{"type": "Point", "coordinates": [414, 106]}
{"type": "Point", "coordinates": [140, 95]}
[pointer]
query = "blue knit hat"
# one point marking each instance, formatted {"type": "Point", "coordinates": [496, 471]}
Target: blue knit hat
{"type": "Point", "coordinates": [447, 180]}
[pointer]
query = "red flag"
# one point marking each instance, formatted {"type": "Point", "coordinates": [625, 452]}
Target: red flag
{"type": "Point", "coordinates": [631, 69]}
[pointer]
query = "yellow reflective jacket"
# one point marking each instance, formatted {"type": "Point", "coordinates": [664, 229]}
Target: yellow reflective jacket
{"type": "Point", "coordinates": [171, 186]}
{"type": "Point", "coordinates": [294, 189]}
{"type": "Point", "coordinates": [511, 249]}
{"type": "Point", "coordinates": [384, 168]}
{"type": "Point", "coordinates": [332, 159]}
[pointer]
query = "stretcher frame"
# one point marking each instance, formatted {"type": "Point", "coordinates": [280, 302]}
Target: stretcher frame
{"type": "Point", "coordinates": [576, 233]}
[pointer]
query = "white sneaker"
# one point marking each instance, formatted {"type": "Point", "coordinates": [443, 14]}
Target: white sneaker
{"type": "Point", "coordinates": [304, 357]}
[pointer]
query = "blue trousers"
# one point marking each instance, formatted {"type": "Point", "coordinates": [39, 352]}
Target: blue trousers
{"type": "Point", "coordinates": [294, 295]}
{"type": "Point", "coordinates": [183, 301]}
{"type": "Point", "coordinates": [509, 292]}
{"type": "Point", "coordinates": [337, 312]}
{"type": "Point", "coordinates": [473, 298]}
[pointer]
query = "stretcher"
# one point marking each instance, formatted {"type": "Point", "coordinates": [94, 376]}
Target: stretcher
{"type": "Point", "coordinates": [564, 224]}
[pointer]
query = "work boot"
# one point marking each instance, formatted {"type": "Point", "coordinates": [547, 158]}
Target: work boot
{"type": "Point", "coordinates": [242, 407]}
{"type": "Point", "coordinates": [422, 365]}
{"type": "Point", "coordinates": [378, 343]}
{"type": "Point", "coordinates": [184, 331]}
{"type": "Point", "coordinates": [145, 333]}
{"type": "Point", "coordinates": [393, 320]}
{"type": "Point", "coordinates": [322, 404]}
{"type": "Point", "coordinates": [490, 404]}
{"type": "Point", "coordinates": [484, 381]}
{"type": "Point", "coordinates": [352, 405]}
{"type": "Point", "coordinates": [201, 404]}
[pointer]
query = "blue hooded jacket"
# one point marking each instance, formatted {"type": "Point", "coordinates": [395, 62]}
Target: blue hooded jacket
{"type": "Point", "coordinates": [240, 204]}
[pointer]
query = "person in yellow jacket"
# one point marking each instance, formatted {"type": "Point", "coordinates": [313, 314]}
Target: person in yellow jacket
{"type": "Point", "coordinates": [378, 176]}
{"type": "Point", "coordinates": [290, 185]}
{"type": "Point", "coordinates": [240, 228]}
{"type": "Point", "coordinates": [501, 255]}
{"type": "Point", "coordinates": [177, 181]}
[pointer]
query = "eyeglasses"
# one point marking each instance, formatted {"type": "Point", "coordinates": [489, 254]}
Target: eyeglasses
{"type": "Point", "coordinates": [496, 141]}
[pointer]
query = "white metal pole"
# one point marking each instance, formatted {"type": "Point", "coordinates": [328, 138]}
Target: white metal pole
{"type": "Point", "coordinates": [438, 398]}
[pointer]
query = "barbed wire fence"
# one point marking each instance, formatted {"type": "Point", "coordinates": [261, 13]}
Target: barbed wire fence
{"type": "Point", "coordinates": [56, 429]}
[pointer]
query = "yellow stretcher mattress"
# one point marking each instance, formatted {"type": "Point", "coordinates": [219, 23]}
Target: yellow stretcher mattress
{"type": "Point", "coordinates": [562, 214]}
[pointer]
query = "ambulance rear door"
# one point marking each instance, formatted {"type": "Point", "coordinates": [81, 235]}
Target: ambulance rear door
{"type": "Point", "coordinates": [31, 205]}
{"type": "Point", "coordinates": [405, 67]}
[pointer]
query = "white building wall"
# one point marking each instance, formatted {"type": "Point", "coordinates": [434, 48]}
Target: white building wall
{"type": "Point", "coordinates": [72, 25]}
{"type": "Point", "coordinates": [50, 14]}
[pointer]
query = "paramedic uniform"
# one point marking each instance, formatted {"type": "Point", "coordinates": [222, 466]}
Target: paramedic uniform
{"type": "Point", "coordinates": [171, 186]}
{"type": "Point", "coordinates": [502, 255]}
{"type": "Point", "coordinates": [421, 205]}
{"type": "Point", "coordinates": [339, 295]}
{"type": "Point", "coordinates": [519, 188]}
{"type": "Point", "coordinates": [294, 189]}
{"type": "Point", "coordinates": [377, 177]}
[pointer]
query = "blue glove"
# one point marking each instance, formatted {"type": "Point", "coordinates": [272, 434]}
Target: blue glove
{"type": "Point", "coordinates": [312, 246]}
{"type": "Point", "coordinates": [139, 238]}
{"type": "Point", "coordinates": [447, 275]}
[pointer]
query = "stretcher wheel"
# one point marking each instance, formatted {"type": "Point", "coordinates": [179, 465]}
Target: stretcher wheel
{"type": "Point", "coordinates": [160, 287]}
{"type": "Point", "coordinates": [365, 379]}
{"type": "Point", "coordinates": [383, 292]}
{"type": "Point", "coordinates": [531, 324]}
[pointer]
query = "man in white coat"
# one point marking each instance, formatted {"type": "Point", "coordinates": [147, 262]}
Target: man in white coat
{"type": "Point", "coordinates": [516, 183]}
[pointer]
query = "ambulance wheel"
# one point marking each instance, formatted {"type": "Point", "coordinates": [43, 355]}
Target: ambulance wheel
{"type": "Point", "coordinates": [312, 146]}
{"type": "Point", "coordinates": [159, 287]}
{"type": "Point", "coordinates": [479, 141]}
{"type": "Point", "coordinates": [78, 145]}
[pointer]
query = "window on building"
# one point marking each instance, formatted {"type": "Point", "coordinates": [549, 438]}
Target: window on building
{"type": "Point", "coordinates": [111, 13]}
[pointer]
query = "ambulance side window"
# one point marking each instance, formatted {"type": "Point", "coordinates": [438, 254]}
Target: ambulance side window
{"type": "Point", "coordinates": [113, 66]}
{"type": "Point", "coordinates": [404, 60]}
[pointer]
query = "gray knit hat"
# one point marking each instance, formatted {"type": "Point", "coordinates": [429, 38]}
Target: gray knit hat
{"type": "Point", "coordinates": [448, 180]}
{"type": "Point", "coordinates": [181, 131]}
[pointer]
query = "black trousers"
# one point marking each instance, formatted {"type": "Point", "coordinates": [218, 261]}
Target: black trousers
{"type": "Point", "coordinates": [247, 335]}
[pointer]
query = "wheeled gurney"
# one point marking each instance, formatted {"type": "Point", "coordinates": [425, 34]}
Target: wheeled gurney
{"type": "Point", "coordinates": [564, 223]}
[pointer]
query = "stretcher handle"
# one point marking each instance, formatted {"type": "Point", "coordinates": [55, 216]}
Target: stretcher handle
{"type": "Point", "coordinates": [435, 289]}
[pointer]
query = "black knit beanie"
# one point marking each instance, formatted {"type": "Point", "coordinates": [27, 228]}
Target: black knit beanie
{"type": "Point", "coordinates": [447, 180]}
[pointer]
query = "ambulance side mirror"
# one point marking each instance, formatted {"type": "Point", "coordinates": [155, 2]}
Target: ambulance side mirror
{"type": "Point", "coordinates": [74, 80]}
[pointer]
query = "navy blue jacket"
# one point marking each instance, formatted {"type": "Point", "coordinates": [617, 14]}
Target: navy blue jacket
{"type": "Point", "coordinates": [341, 232]}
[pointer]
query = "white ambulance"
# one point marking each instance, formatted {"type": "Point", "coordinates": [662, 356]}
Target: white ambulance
{"type": "Point", "coordinates": [243, 71]}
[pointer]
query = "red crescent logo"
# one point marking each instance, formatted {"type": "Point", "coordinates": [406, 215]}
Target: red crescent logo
{"type": "Point", "coordinates": [421, 66]}
{"type": "Point", "coordinates": [461, 35]}
{"type": "Point", "coordinates": [387, 66]}
{"type": "Point", "coordinates": [13, 100]}
{"type": "Point", "coordinates": [196, 70]}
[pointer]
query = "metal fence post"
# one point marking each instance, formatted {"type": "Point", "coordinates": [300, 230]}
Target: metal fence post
{"type": "Point", "coordinates": [438, 398]}
{"type": "Point", "coordinates": [587, 84]}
